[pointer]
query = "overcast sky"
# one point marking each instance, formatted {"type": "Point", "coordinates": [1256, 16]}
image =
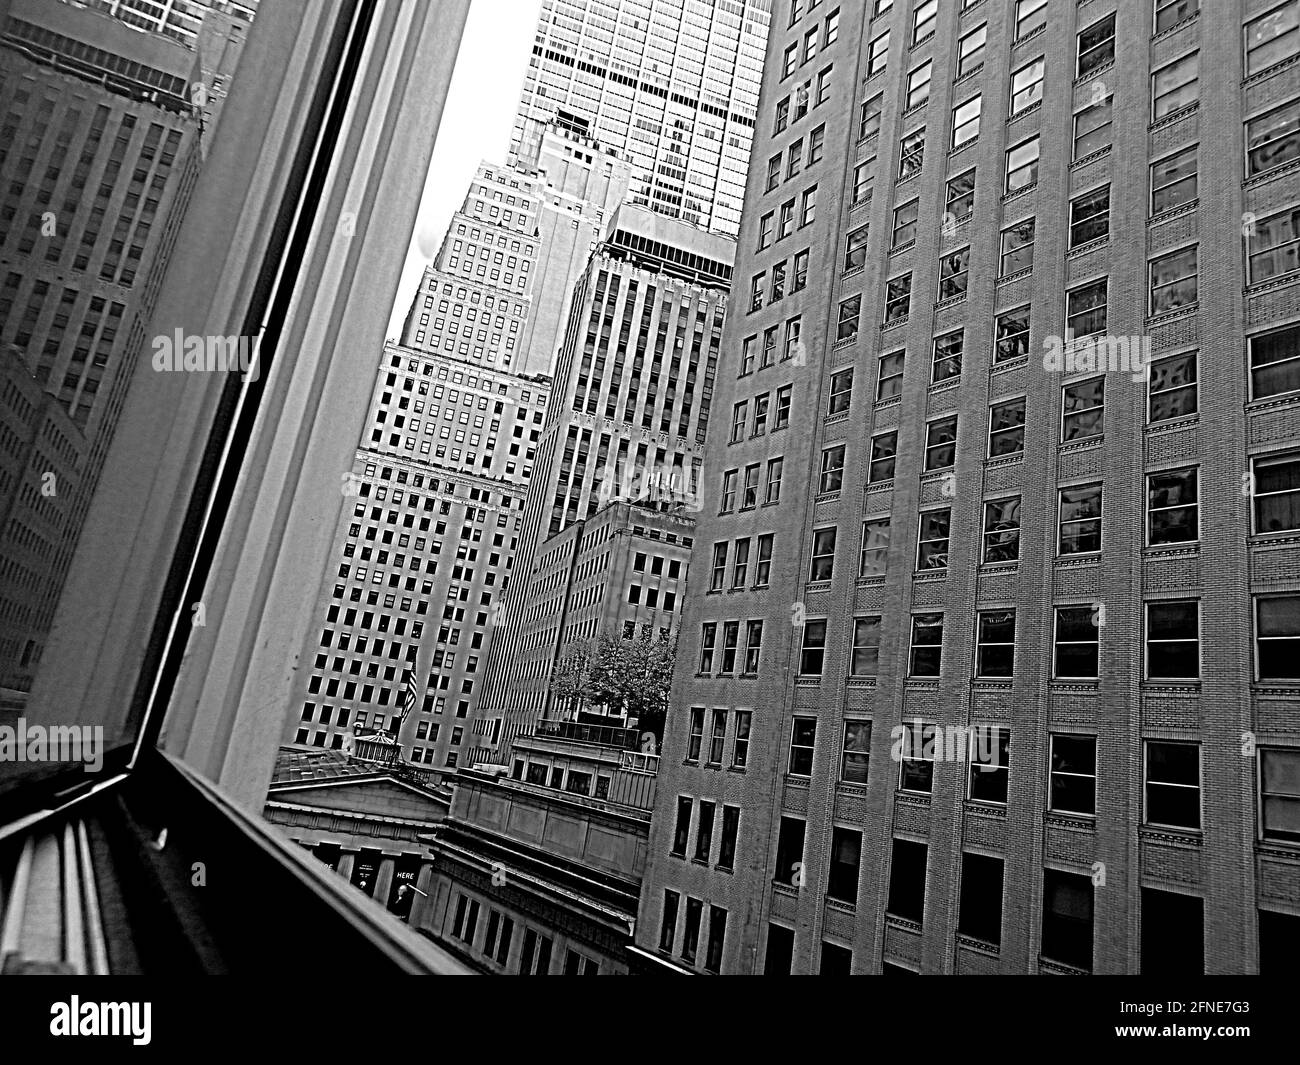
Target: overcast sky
{"type": "Point", "coordinates": [476, 125]}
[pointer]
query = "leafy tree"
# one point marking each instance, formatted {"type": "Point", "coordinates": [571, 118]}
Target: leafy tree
{"type": "Point", "coordinates": [634, 677]}
{"type": "Point", "coordinates": [571, 678]}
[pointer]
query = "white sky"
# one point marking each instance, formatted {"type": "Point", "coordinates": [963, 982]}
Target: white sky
{"type": "Point", "coordinates": [476, 125]}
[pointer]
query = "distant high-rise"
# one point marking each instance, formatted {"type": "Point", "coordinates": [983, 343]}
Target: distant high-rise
{"type": "Point", "coordinates": [671, 84]}
{"type": "Point", "coordinates": [1018, 689]}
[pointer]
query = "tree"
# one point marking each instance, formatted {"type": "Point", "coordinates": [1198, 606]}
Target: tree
{"type": "Point", "coordinates": [571, 678]}
{"type": "Point", "coordinates": [634, 677]}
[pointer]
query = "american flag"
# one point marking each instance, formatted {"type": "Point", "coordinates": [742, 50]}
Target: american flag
{"type": "Point", "coordinates": [411, 697]}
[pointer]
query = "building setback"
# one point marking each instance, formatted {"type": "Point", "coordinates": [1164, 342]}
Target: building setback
{"type": "Point", "coordinates": [671, 85]}
{"type": "Point", "coordinates": [1090, 563]}
{"type": "Point", "coordinates": [636, 373]}
{"type": "Point", "coordinates": [99, 153]}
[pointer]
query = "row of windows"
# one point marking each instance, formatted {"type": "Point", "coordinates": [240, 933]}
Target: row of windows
{"type": "Point", "coordinates": [1172, 642]}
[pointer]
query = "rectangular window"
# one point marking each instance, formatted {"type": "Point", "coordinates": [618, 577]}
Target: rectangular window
{"type": "Point", "coordinates": [875, 547]}
{"type": "Point", "coordinates": [1175, 86]}
{"type": "Point", "coordinates": [960, 201]}
{"type": "Point", "coordinates": [865, 660]}
{"type": "Point", "coordinates": [1085, 309]}
{"type": "Point", "coordinates": [740, 747]}
{"type": "Point", "coordinates": [695, 739]}
{"type": "Point", "coordinates": [1174, 280]}
{"type": "Point", "coordinates": [941, 443]}
{"type": "Point", "coordinates": [1067, 918]}
{"type": "Point", "coordinates": [812, 654]}
{"type": "Point", "coordinates": [717, 741]}
{"type": "Point", "coordinates": [864, 176]}
{"type": "Point", "coordinates": [720, 551]}
{"type": "Point", "coordinates": [803, 739]}
{"type": "Point", "coordinates": [1022, 165]}
{"type": "Point", "coordinates": [1173, 640]}
{"type": "Point", "coordinates": [1275, 362]}
{"type": "Point", "coordinates": [765, 230]}
{"type": "Point", "coordinates": [918, 84]}
{"type": "Point", "coordinates": [947, 356]}
{"type": "Point", "coordinates": [794, 159]}
{"type": "Point", "coordinates": [708, 636]}
{"type": "Point", "coordinates": [668, 925]}
{"type": "Point", "coordinates": [799, 280]}
{"type": "Point", "coordinates": [1031, 15]}
{"type": "Point", "coordinates": [1171, 388]}
{"type": "Point", "coordinates": [1273, 139]}
{"type": "Point", "coordinates": [781, 416]}
{"type": "Point", "coordinates": [846, 857]}
{"type": "Point", "coordinates": [904, 225]}
{"type": "Point", "coordinates": [682, 829]}
{"type": "Point", "coordinates": [1279, 786]}
{"type": "Point", "coordinates": [1090, 217]}
{"type": "Point", "coordinates": [1272, 37]}
{"type": "Point", "coordinates": [884, 455]}
{"type": "Point", "coordinates": [1027, 86]}
{"type": "Point", "coordinates": [841, 392]}
{"type": "Point", "coordinates": [1277, 637]}
{"type": "Point", "coordinates": [690, 931]}
{"type": "Point", "coordinates": [773, 173]}
{"type": "Point", "coordinates": [704, 833]}
{"type": "Point", "coordinates": [898, 299]}
{"type": "Point", "coordinates": [823, 554]}
{"type": "Point", "coordinates": [1002, 530]}
{"type": "Point", "coordinates": [970, 50]}
{"type": "Point", "coordinates": [954, 273]}
{"type": "Point", "coordinates": [763, 563]}
{"type": "Point", "coordinates": [1277, 492]}
{"type": "Point", "coordinates": [911, 154]}
{"type": "Point", "coordinates": [926, 652]}
{"type": "Point", "coordinates": [729, 481]}
{"type": "Point", "coordinates": [1078, 642]}
{"type": "Point", "coordinates": [932, 539]}
{"type": "Point", "coordinates": [924, 19]}
{"type": "Point", "coordinates": [779, 957]}
{"type": "Point", "coordinates": [1169, 13]}
{"type": "Point", "coordinates": [1083, 409]}
{"type": "Point", "coordinates": [847, 327]}
{"type": "Point", "coordinates": [907, 881]}
{"type": "Point", "coordinates": [1173, 506]}
{"type": "Point", "coordinates": [740, 565]}
{"type": "Point", "coordinates": [1173, 784]}
{"type": "Point", "coordinates": [772, 486]}
{"type": "Point", "coordinates": [832, 469]}
{"type": "Point", "coordinates": [1017, 248]}
{"type": "Point", "coordinates": [990, 765]}
{"type": "Point", "coordinates": [966, 122]}
{"type": "Point", "coordinates": [1092, 128]}
{"type": "Point", "coordinates": [1096, 45]}
{"type": "Point", "coordinates": [739, 417]}
{"type": "Point", "coordinates": [995, 643]}
{"type": "Point", "coordinates": [808, 207]}
{"type": "Point", "coordinates": [877, 54]}
{"type": "Point", "coordinates": [1007, 428]}
{"type": "Point", "coordinates": [730, 642]}
{"type": "Point", "coordinates": [855, 250]}
{"type": "Point", "coordinates": [1174, 180]}
{"type": "Point", "coordinates": [753, 646]}
{"type": "Point", "coordinates": [1011, 335]}
{"type": "Point", "coordinates": [1273, 246]}
{"type": "Point", "coordinates": [980, 914]}
{"type": "Point", "coordinates": [1073, 783]}
{"type": "Point", "coordinates": [856, 757]}
{"type": "Point", "coordinates": [789, 851]}
{"type": "Point", "coordinates": [915, 755]}
{"type": "Point", "coordinates": [717, 936]}
{"type": "Point", "coordinates": [889, 377]}
{"type": "Point", "coordinates": [1173, 934]}
{"type": "Point", "coordinates": [869, 117]}
{"type": "Point", "coordinates": [730, 830]}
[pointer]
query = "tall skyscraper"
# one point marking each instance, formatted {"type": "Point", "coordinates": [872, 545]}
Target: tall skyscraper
{"type": "Point", "coordinates": [670, 84]}
{"type": "Point", "coordinates": [1026, 698]}
{"type": "Point", "coordinates": [633, 387]}
{"type": "Point", "coordinates": [98, 157]}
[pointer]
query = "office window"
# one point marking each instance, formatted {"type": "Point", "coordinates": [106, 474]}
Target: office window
{"type": "Point", "coordinates": [793, 329]}
{"type": "Point", "coordinates": [1007, 428]}
{"type": "Point", "coordinates": [1027, 86]}
{"type": "Point", "coordinates": [980, 913]}
{"type": "Point", "coordinates": [1073, 781]}
{"type": "Point", "coordinates": [914, 752]}
{"type": "Point", "coordinates": [717, 936]}
{"type": "Point", "coordinates": [835, 961]}
{"type": "Point", "coordinates": [668, 924]}
{"type": "Point", "coordinates": [823, 554]}
{"type": "Point", "coordinates": [1174, 180]}
{"type": "Point", "coordinates": [1090, 217]}
{"type": "Point", "coordinates": [960, 201]}
{"type": "Point", "coordinates": [708, 636]}
{"type": "Point", "coordinates": [877, 54]}
{"type": "Point", "coordinates": [1169, 13]}
{"type": "Point", "coordinates": [954, 273]}
{"type": "Point", "coordinates": [855, 250]}
{"type": "Point", "coordinates": [753, 647]}
{"type": "Point", "coordinates": [907, 880]}
{"type": "Point", "coordinates": [1017, 248]}
{"type": "Point", "coordinates": [875, 547]}
{"type": "Point", "coordinates": [748, 354]}
{"type": "Point", "coordinates": [846, 858]}
{"type": "Point", "coordinates": [794, 159]}
{"type": "Point", "coordinates": [781, 416]}
{"type": "Point", "coordinates": [1092, 128]}
{"type": "Point", "coordinates": [690, 933]}
{"type": "Point", "coordinates": [856, 756]}
{"type": "Point", "coordinates": [782, 116]}
{"type": "Point", "coordinates": [729, 481]}
{"type": "Point", "coordinates": [727, 843]}
{"type": "Point", "coordinates": [995, 643]}
{"type": "Point", "coordinates": [720, 551]}
{"type": "Point", "coordinates": [1085, 309]}
{"type": "Point", "coordinates": [757, 284]}
{"type": "Point", "coordinates": [1175, 86]}
{"type": "Point", "coordinates": [808, 207]}
{"type": "Point", "coordinates": [932, 539]}
{"type": "Point", "coordinates": [865, 660]}
{"type": "Point", "coordinates": [740, 747]}
{"type": "Point", "coordinates": [816, 144]}
{"type": "Point", "coordinates": [947, 356]}
{"type": "Point", "coordinates": [773, 173]}
{"type": "Point", "coordinates": [1078, 642]}
{"type": "Point", "coordinates": [1031, 15]}
{"type": "Point", "coordinates": [847, 328]}
{"type": "Point", "coordinates": [911, 154]}
{"type": "Point", "coordinates": [778, 282]}
{"type": "Point", "coordinates": [763, 563]}
{"type": "Point", "coordinates": [704, 832]}
{"type": "Point", "coordinates": [924, 19]}
{"type": "Point", "coordinates": [789, 60]}
{"type": "Point", "coordinates": [740, 565]}
{"type": "Point", "coordinates": [869, 117]}
{"type": "Point", "coordinates": [1096, 45]}
{"type": "Point", "coordinates": [841, 392]}
{"type": "Point", "coordinates": [1275, 362]}
{"type": "Point", "coordinates": [1011, 335]}
{"type": "Point", "coordinates": [1174, 279]}
{"type": "Point", "coordinates": [1273, 139]}
{"type": "Point", "coordinates": [789, 851]}
{"type": "Point", "coordinates": [1002, 530]}
{"type": "Point", "coordinates": [682, 829]}
{"type": "Point", "coordinates": [1272, 37]}
{"type": "Point", "coordinates": [832, 29]}
{"type": "Point", "coordinates": [941, 443]}
{"type": "Point", "coordinates": [926, 652]}
{"type": "Point", "coordinates": [864, 176]}
{"type": "Point", "coordinates": [823, 87]}
{"type": "Point", "coordinates": [904, 225]}
{"type": "Point", "coordinates": [813, 652]}
{"type": "Point", "coordinates": [730, 642]}
{"type": "Point", "coordinates": [1022, 165]}
{"type": "Point", "coordinates": [739, 416]}
{"type": "Point", "coordinates": [1277, 492]}
{"type": "Point", "coordinates": [1173, 506]}
{"type": "Point", "coordinates": [1277, 637]}
{"type": "Point", "coordinates": [1173, 640]}
{"type": "Point", "coordinates": [918, 84]}
{"type": "Point", "coordinates": [1171, 389]}
{"type": "Point", "coordinates": [832, 470]}
{"type": "Point", "coordinates": [772, 485]}
{"type": "Point", "coordinates": [898, 299]}
{"type": "Point", "coordinates": [1273, 246]}
{"type": "Point", "coordinates": [889, 376]}
{"type": "Point", "coordinates": [765, 230]}
{"type": "Point", "coordinates": [966, 122]}
{"type": "Point", "coordinates": [1083, 409]}
{"type": "Point", "coordinates": [1173, 784]}
{"type": "Point", "coordinates": [1279, 785]}
{"type": "Point", "coordinates": [779, 957]}
{"type": "Point", "coordinates": [1067, 918]}
{"type": "Point", "coordinates": [803, 738]}
{"type": "Point", "coordinates": [716, 743]}
{"type": "Point", "coordinates": [970, 50]}
{"type": "Point", "coordinates": [991, 765]}
{"type": "Point", "coordinates": [1173, 934]}
{"type": "Point", "coordinates": [695, 738]}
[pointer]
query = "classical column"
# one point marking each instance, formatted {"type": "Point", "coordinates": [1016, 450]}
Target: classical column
{"type": "Point", "coordinates": [384, 881]}
{"type": "Point", "coordinates": [423, 884]}
{"type": "Point", "coordinates": [346, 861]}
